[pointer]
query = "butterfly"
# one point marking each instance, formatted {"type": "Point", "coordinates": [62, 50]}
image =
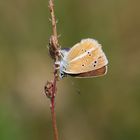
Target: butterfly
{"type": "Point", "coordinates": [84, 59]}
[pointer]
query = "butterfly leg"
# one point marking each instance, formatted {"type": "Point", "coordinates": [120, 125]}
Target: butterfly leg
{"type": "Point", "coordinates": [62, 75]}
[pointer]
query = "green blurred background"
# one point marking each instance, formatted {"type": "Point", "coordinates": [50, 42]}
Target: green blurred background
{"type": "Point", "coordinates": [104, 108]}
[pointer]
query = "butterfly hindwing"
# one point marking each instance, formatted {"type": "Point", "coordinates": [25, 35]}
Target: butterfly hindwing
{"type": "Point", "coordinates": [94, 73]}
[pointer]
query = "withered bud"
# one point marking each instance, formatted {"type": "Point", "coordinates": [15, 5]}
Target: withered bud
{"type": "Point", "coordinates": [54, 47]}
{"type": "Point", "coordinates": [48, 89]}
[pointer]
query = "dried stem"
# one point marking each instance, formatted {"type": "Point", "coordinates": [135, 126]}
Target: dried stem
{"type": "Point", "coordinates": [50, 88]}
{"type": "Point", "coordinates": [51, 7]}
{"type": "Point", "coordinates": [54, 45]}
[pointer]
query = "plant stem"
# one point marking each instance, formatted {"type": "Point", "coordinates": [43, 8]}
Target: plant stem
{"type": "Point", "coordinates": [53, 108]}
{"type": "Point", "coordinates": [51, 7]}
{"type": "Point", "coordinates": [51, 87]}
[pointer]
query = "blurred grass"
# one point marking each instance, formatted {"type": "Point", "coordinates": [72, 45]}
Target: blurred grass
{"type": "Point", "coordinates": [106, 108]}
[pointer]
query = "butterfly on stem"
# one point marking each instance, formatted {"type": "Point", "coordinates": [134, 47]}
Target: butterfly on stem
{"type": "Point", "coordinates": [85, 59]}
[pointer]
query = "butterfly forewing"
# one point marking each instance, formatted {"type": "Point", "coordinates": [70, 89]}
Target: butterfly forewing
{"type": "Point", "coordinates": [84, 63]}
{"type": "Point", "coordinates": [91, 59]}
{"type": "Point", "coordinates": [81, 48]}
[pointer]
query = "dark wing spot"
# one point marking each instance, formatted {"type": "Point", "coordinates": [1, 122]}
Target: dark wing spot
{"type": "Point", "coordinates": [83, 65]}
{"type": "Point", "coordinates": [94, 64]}
{"type": "Point", "coordinates": [85, 50]}
{"type": "Point", "coordinates": [89, 53]}
{"type": "Point", "coordinates": [95, 61]}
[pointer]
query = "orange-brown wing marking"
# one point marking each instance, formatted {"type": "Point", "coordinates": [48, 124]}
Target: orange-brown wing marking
{"type": "Point", "coordinates": [99, 72]}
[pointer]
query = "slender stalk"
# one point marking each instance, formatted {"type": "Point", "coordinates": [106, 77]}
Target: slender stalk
{"type": "Point", "coordinates": [54, 89]}
{"type": "Point", "coordinates": [51, 86]}
{"type": "Point", "coordinates": [51, 7]}
{"type": "Point", "coordinates": [54, 119]}
{"type": "Point", "coordinates": [53, 112]}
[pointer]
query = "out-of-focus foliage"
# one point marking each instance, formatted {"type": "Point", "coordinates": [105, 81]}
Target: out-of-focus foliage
{"type": "Point", "coordinates": [105, 108]}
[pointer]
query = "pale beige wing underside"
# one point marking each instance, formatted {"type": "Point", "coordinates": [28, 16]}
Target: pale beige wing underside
{"type": "Point", "coordinates": [85, 56]}
{"type": "Point", "coordinates": [81, 47]}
